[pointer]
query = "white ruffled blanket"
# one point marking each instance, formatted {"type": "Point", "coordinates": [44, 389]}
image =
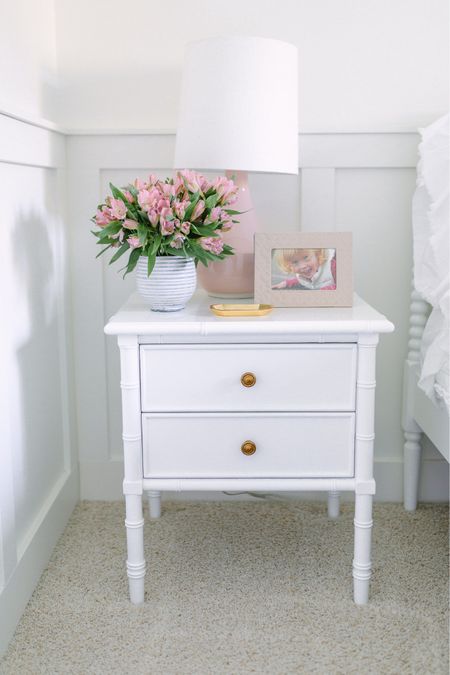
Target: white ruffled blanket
{"type": "Point", "coordinates": [432, 256]}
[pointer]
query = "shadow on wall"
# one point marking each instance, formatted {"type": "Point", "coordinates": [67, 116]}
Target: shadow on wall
{"type": "Point", "coordinates": [37, 406]}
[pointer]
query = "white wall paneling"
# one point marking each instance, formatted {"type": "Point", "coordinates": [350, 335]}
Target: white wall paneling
{"type": "Point", "coordinates": [39, 469]}
{"type": "Point", "coordinates": [357, 182]}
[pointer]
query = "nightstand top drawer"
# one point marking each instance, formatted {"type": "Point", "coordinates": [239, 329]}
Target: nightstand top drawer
{"type": "Point", "coordinates": [286, 377]}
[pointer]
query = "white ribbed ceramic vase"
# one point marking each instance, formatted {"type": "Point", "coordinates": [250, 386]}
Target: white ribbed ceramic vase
{"type": "Point", "coordinates": [170, 285]}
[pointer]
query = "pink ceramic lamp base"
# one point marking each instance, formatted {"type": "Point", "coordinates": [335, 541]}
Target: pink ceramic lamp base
{"type": "Point", "coordinates": [233, 277]}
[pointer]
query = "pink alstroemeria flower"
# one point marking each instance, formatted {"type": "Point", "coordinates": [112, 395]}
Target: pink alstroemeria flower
{"type": "Point", "coordinates": [147, 198]}
{"type": "Point", "coordinates": [168, 190]}
{"type": "Point", "coordinates": [212, 244]}
{"type": "Point", "coordinates": [226, 190]}
{"type": "Point", "coordinates": [214, 215]}
{"type": "Point", "coordinates": [180, 207]}
{"type": "Point", "coordinates": [227, 222]}
{"type": "Point", "coordinates": [162, 204]}
{"type": "Point", "coordinates": [118, 209]}
{"type": "Point", "coordinates": [178, 240]}
{"type": "Point", "coordinates": [134, 242]}
{"type": "Point", "coordinates": [164, 212]}
{"type": "Point", "coordinates": [128, 195]}
{"type": "Point", "coordinates": [139, 184]}
{"type": "Point", "coordinates": [167, 227]}
{"type": "Point", "coordinates": [191, 179]}
{"type": "Point", "coordinates": [185, 227]}
{"type": "Point", "coordinates": [179, 184]}
{"type": "Point", "coordinates": [199, 208]}
{"type": "Point", "coordinates": [153, 217]}
{"type": "Point", "coordinates": [130, 224]}
{"type": "Point", "coordinates": [102, 218]}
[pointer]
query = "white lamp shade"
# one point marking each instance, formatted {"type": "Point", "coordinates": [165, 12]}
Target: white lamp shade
{"type": "Point", "coordinates": [238, 108]}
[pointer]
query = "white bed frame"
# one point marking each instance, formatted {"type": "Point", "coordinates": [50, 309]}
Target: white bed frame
{"type": "Point", "coordinates": [420, 415]}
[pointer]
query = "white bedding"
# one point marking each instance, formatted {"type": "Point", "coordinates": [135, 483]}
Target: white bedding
{"type": "Point", "coordinates": [432, 256]}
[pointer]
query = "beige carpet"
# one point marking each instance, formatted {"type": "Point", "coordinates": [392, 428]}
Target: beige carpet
{"type": "Point", "coordinates": [240, 587]}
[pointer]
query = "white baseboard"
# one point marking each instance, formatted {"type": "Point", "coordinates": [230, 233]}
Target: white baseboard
{"type": "Point", "coordinates": [35, 555]}
{"type": "Point", "coordinates": [103, 481]}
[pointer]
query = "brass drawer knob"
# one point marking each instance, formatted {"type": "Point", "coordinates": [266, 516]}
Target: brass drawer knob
{"type": "Point", "coordinates": [248, 379]}
{"type": "Point", "coordinates": [248, 448]}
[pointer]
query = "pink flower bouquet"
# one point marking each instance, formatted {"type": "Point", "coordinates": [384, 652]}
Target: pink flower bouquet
{"type": "Point", "coordinates": [182, 216]}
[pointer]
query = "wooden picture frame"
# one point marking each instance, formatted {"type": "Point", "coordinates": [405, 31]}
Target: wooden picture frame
{"type": "Point", "coordinates": [304, 269]}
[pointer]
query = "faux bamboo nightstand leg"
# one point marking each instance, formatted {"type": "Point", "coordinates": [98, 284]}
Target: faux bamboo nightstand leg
{"type": "Point", "coordinates": [132, 448]}
{"type": "Point", "coordinates": [134, 524]}
{"type": "Point", "coordinates": [154, 503]}
{"type": "Point", "coordinates": [364, 440]}
{"type": "Point", "coordinates": [333, 504]}
{"type": "Point", "coordinates": [362, 566]}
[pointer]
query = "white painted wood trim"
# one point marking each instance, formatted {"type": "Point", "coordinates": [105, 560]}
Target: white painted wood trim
{"type": "Point", "coordinates": [21, 562]}
{"type": "Point", "coordinates": [170, 131]}
{"type": "Point", "coordinates": [33, 558]}
{"type": "Point", "coordinates": [33, 120]}
{"type": "Point", "coordinates": [250, 484]}
{"type": "Point", "coordinates": [316, 151]}
{"type": "Point", "coordinates": [30, 145]}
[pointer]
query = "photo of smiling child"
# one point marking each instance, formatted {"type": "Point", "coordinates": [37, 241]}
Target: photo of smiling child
{"type": "Point", "coordinates": [305, 269]}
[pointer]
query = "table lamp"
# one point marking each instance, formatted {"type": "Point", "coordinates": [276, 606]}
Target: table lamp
{"type": "Point", "coordinates": [238, 113]}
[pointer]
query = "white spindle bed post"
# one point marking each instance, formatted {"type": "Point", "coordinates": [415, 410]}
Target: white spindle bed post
{"type": "Point", "coordinates": [412, 448]}
{"type": "Point", "coordinates": [132, 484]}
{"type": "Point", "coordinates": [365, 484]}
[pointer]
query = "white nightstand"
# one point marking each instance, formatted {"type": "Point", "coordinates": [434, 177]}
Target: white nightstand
{"type": "Point", "coordinates": [281, 402]}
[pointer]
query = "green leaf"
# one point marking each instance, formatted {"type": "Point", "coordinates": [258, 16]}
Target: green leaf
{"type": "Point", "coordinates": [103, 250]}
{"type": "Point", "coordinates": [125, 246]}
{"type": "Point", "coordinates": [142, 233]}
{"type": "Point", "coordinates": [113, 228]}
{"type": "Point", "coordinates": [118, 194]}
{"type": "Point", "coordinates": [204, 230]}
{"type": "Point", "coordinates": [155, 245]}
{"type": "Point", "coordinates": [199, 253]}
{"type": "Point", "coordinates": [132, 260]}
{"type": "Point", "coordinates": [190, 209]}
{"type": "Point", "coordinates": [134, 191]}
{"type": "Point", "coordinates": [150, 264]}
{"type": "Point", "coordinates": [232, 212]}
{"type": "Point", "coordinates": [179, 252]}
{"type": "Point", "coordinates": [212, 201]}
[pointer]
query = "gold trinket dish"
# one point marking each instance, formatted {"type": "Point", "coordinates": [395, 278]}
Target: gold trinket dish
{"type": "Point", "coordinates": [241, 310]}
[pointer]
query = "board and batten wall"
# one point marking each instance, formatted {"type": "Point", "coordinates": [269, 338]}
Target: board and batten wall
{"type": "Point", "coordinates": [39, 484]}
{"type": "Point", "coordinates": [361, 183]}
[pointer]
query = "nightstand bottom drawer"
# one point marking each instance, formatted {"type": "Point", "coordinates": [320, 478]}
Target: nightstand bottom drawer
{"type": "Point", "coordinates": [257, 445]}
